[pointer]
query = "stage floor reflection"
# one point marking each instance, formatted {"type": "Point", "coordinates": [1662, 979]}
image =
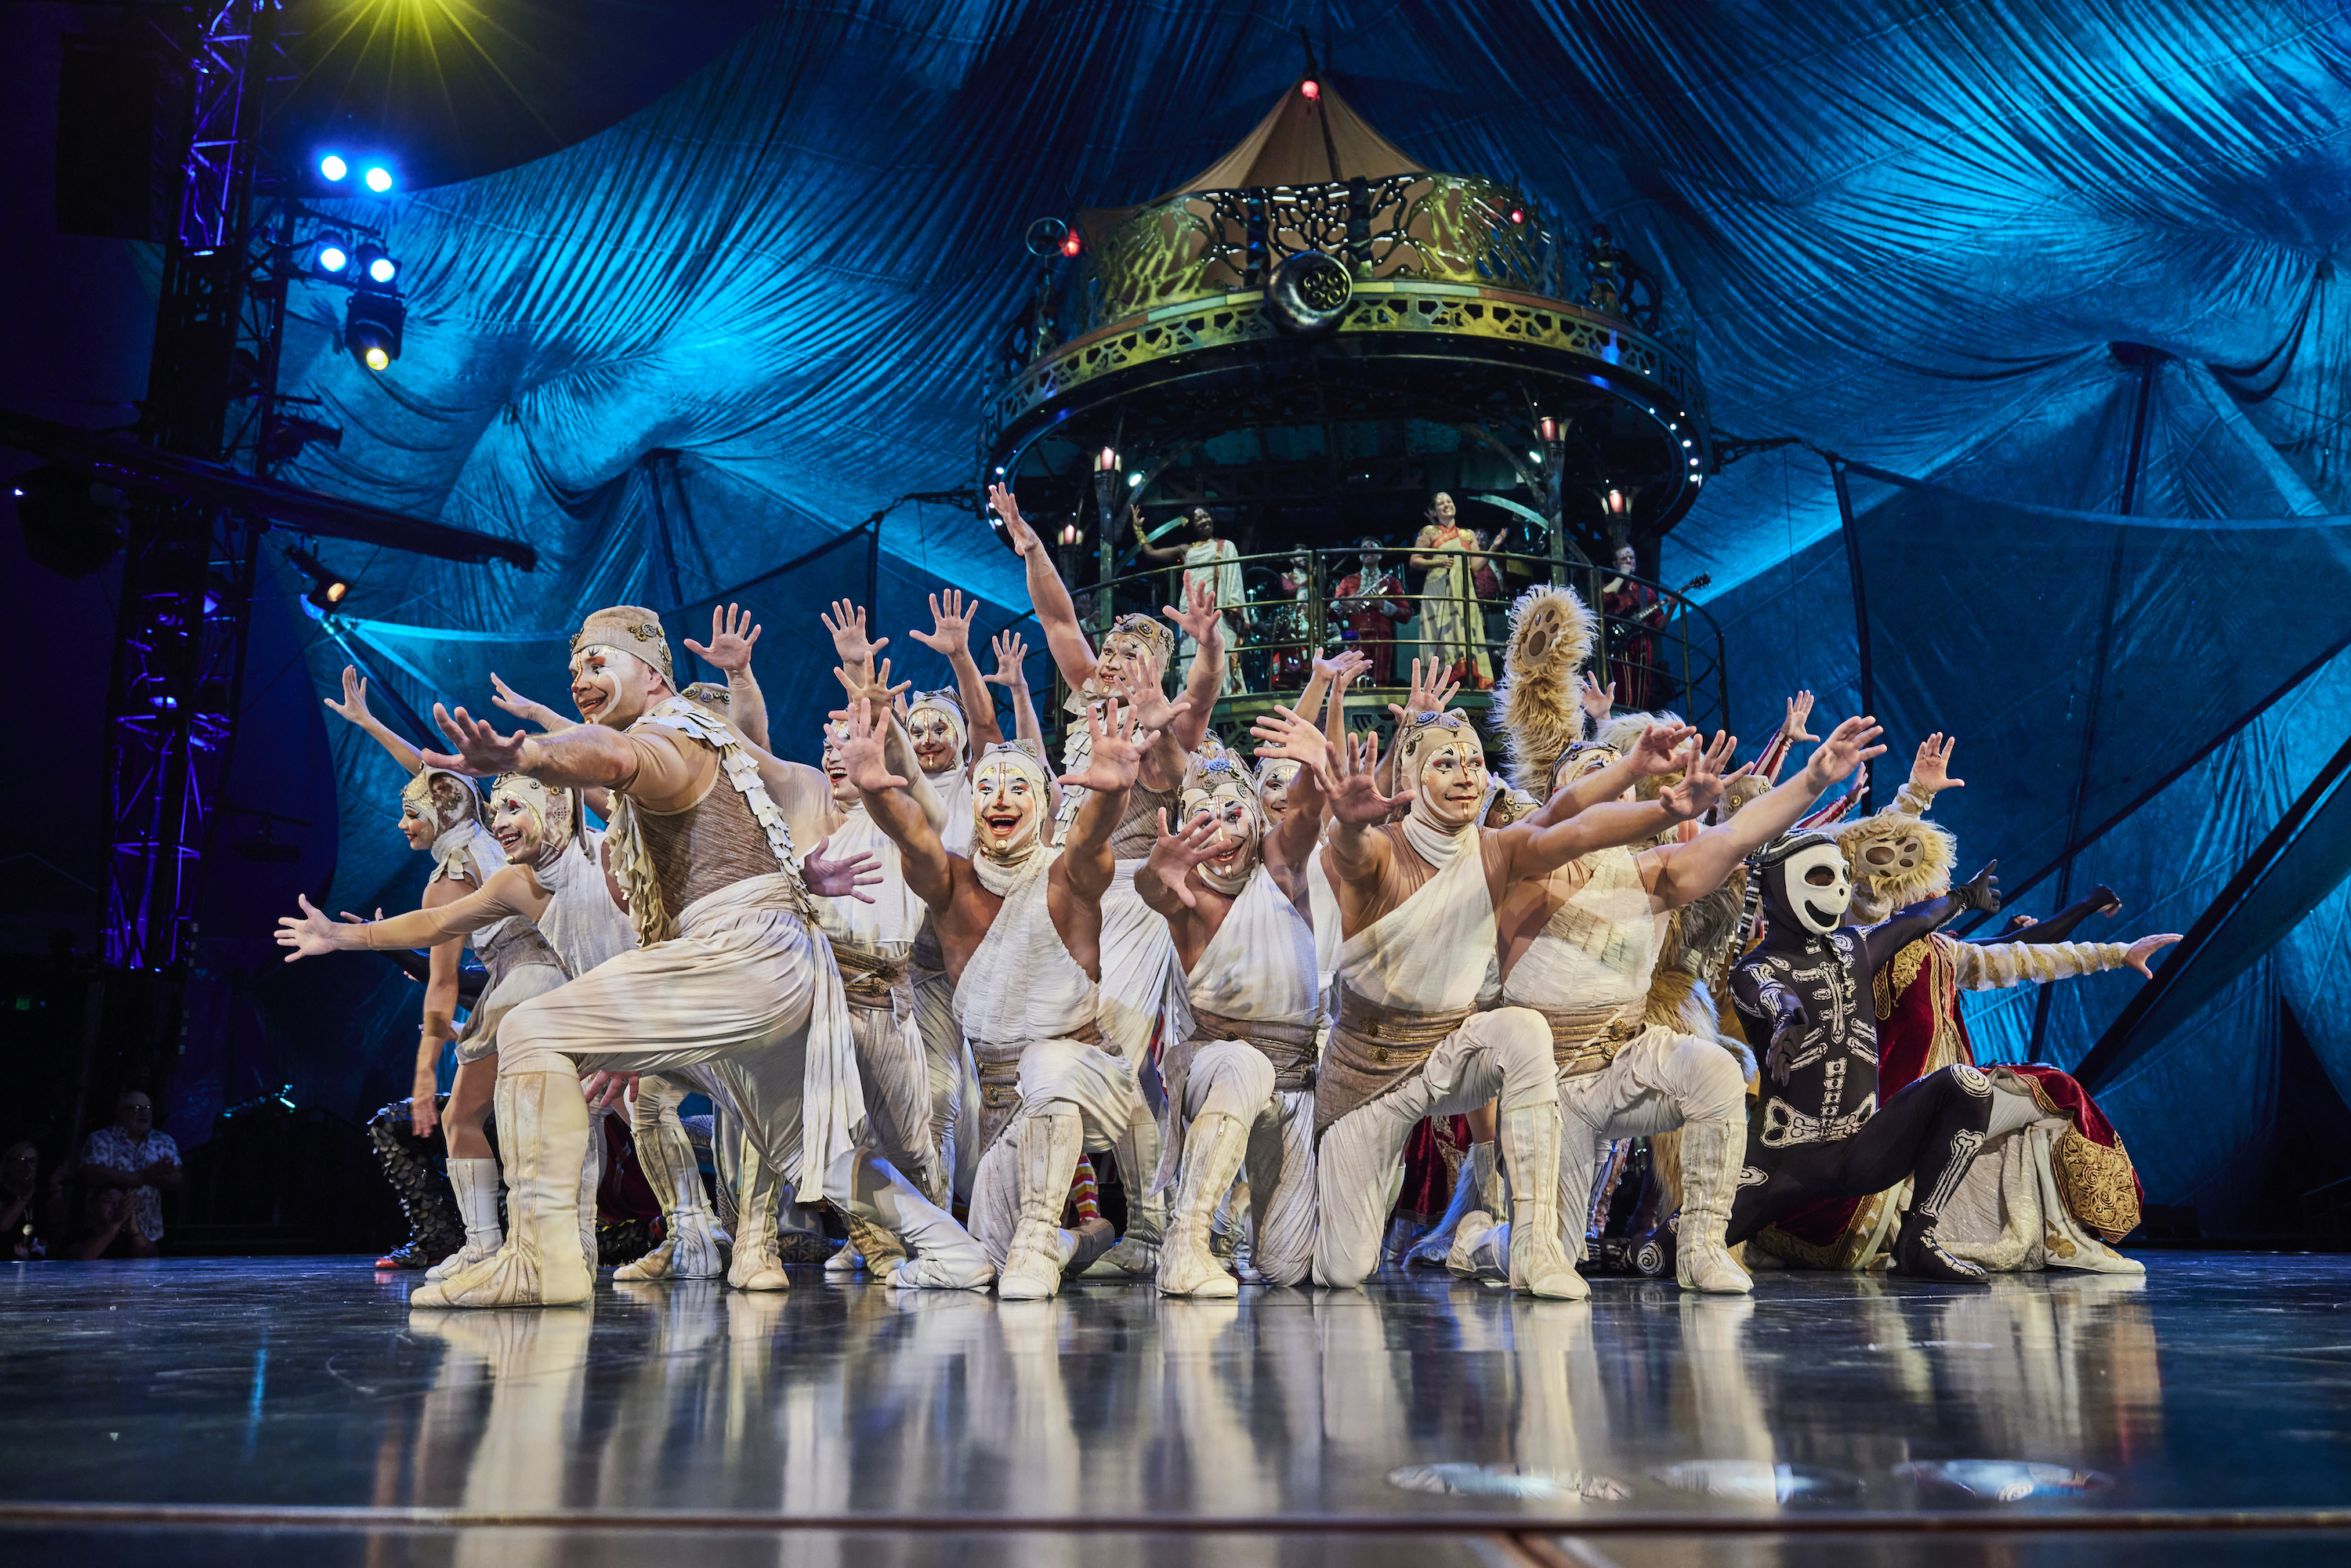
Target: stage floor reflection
{"type": "Point", "coordinates": [2220, 1383]}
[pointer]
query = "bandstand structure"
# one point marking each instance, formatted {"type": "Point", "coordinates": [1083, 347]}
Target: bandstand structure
{"type": "Point", "coordinates": [1310, 340]}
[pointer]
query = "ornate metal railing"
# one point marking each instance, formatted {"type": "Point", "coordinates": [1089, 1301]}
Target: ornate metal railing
{"type": "Point", "coordinates": [1451, 228]}
{"type": "Point", "coordinates": [1663, 651]}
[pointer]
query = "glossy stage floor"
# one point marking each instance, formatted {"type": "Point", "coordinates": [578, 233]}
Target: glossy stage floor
{"type": "Point", "coordinates": [268, 1412]}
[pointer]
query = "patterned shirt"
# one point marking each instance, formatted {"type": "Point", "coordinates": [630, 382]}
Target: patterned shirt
{"type": "Point", "coordinates": [116, 1150]}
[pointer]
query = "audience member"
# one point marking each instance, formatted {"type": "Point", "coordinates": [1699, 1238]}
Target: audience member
{"type": "Point", "coordinates": [127, 1168]}
{"type": "Point", "coordinates": [32, 1212]}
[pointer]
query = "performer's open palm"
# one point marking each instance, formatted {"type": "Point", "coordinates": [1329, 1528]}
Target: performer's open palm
{"type": "Point", "coordinates": [1931, 769]}
{"type": "Point", "coordinates": [1283, 734]}
{"type": "Point", "coordinates": [733, 633]}
{"type": "Point", "coordinates": [1175, 853]}
{"type": "Point", "coordinates": [1800, 709]}
{"type": "Point", "coordinates": [860, 747]}
{"type": "Point", "coordinates": [1847, 748]}
{"type": "Point", "coordinates": [874, 686]}
{"type": "Point", "coordinates": [846, 878]}
{"type": "Point", "coordinates": [1144, 693]}
{"type": "Point", "coordinates": [950, 631]}
{"type": "Point", "coordinates": [354, 706]}
{"type": "Point", "coordinates": [1340, 667]}
{"type": "Point", "coordinates": [1597, 700]}
{"type": "Point", "coordinates": [1023, 538]}
{"type": "Point", "coordinates": [2147, 947]}
{"type": "Point", "coordinates": [1659, 749]}
{"type": "Point", "coordinates": [1011, 650]}
{"type": "Point", "coordinates": [524, 709]}
{"type": "Point", "coordinates": [846, 622]}
{"type": "Point", "coordinates": [312, 936]}
{"type": "Point", "coordinates": [1702, 781]}
{"type": "Point", "coordinates": [1115, 759]}
{"type": "Point", "coordinates": [1352, 782]}
{"type": "Point", "coordinates": [481, 751]}
{"type": "Point", "coordinates": [1428, 695]}
{"type": "Point", "coordinates": [1201, 619]}
{"type": "Point", "coordinates": [1980, 891]}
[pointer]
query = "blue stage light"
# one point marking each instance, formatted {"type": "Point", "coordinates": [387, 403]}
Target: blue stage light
{"type": "Point", "coordinates": [383, 269]}
{"type": "Point", "coordinates": [378, 178]}
{"type": "Point", "coordinates": [333, 257]}
{"type": "Point", "coordinates": [333, 167]}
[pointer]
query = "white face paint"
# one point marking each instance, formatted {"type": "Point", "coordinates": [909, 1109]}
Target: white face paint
{"type": "Point", "coordinates": [1819, 890]}
{"type": "Point", "coordinates": [1234, 851]}
{"type": "Point", "coordinates": [1452, 784]}
{"type": "Point", "coordinates": [613, 688]}
{"type": "Point", "coordinates": [514, 823]}
{"type": "Point", "coordinates": [936, 747]}
{"type": "Point", "coordinates": [1273, 791]}
{"type": "Point", "coordinates": [836, 771]}
{"type": "Point", "coordinates": [1007, 808]}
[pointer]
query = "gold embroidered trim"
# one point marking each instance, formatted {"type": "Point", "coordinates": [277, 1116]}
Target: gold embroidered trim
{"type": "Point", "coordinates": [2096, 1184]}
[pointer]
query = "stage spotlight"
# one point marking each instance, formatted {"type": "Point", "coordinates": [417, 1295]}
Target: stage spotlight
{"type": "Point", "coordinates": [72, 524]}
{"type": "Point", "coordinates": [377, 179]}
{"type": "Point", "coordinates": [331, 259]}
{"type": "Point", "coordinates": [327, 591]}
{"type": "Point", "coordinates": [373, 262]}
{"type": "Point", "coordinates": [371, 328]}
{"type": "Point", "coordinates": [333, 168]}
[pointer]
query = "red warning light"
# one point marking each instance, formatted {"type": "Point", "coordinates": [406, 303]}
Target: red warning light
{"type": "Point", "coordinates": [1518, 214]}
{"type": "Point", "coordinates": [1310, 88]}
{"type": "Point", "coordinates": [1071, 244]}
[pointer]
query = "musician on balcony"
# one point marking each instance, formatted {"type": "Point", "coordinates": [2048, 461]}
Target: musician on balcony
{"type": "Point", "coordinates": [1368, 604]}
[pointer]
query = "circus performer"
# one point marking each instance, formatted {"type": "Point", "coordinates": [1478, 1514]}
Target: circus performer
{"type": "Point", "coordinates": [2062, 1190]}
{"type": "Point", "coordinates": [1241, 1088]}
{"type": "Point", "coordinates": [1419, 901]}
{"type": "Point", "coordinates": [1581, 946]}
{"type": "Point", "coordinates": [1452, 625]}
{"type": "Point", "coordinates": [1819, 1131]}
{"type": "Point", "coordinates": [1020, 925]}
{"type": "Point", "coordinates": [1212, 569]}
{"type": "Point", "coordinates": [1368, 602]}
{"type": "Point", "coordinates": [733, 984]}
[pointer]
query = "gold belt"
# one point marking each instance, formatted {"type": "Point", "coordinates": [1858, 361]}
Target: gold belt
{"type": "Point", "coordinates": [1585, 1040]}
{"type": "Point", "coordinates": [1372, 1048]}
{"type": "Point", "coordinates": [1289, 1046]}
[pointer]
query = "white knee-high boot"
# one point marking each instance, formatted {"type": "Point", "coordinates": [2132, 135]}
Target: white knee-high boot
{"type": "Point", "coordinates": [889, 1218]}
{"type": "Point", "coordinates": [1712, 1152]}
{"type": "Point", "coordinates": [476, 1184]}
{"type": "Point", "coordinates": [689, 1249]}
{"type": "Point", "coordinates": [757, 1264]}
{"type": "Point", "coordinates": [1046, 1143]}
{"type": "Point", "coordinates": [543, 1128]}
{"type": "Point", "coordinates": [1213, 1147]}
{"type": "Point", "coordinates": [592, 1176]}
{"type": "Point", "coordinates": [1538, 1263]}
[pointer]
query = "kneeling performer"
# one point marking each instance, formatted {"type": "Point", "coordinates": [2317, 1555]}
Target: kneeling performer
{"type": "Point", "coordinates": [1019, 926]}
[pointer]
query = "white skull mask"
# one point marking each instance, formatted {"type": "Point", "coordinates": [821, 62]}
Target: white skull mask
{"type": "Point", "coordinates": [1810, 888]}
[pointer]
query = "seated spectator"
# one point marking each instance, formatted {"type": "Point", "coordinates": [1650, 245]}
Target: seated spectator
{"type": "Point", "coordinates": [32, 1212]}
{"type": "Point", "coordinates": [127, 1168]}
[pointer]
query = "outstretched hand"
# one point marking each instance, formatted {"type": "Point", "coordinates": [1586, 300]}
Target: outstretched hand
{"type": "Point", "coordinates": [311, 936]}
{"type": "Point", "coordinates": [1342, 667]}
{"type": "Point", "coordinates": [1659, 749]}
{"type": "Point", "coordinates": [1351, 780]}
{"type": "Point", "coordinates": [527, 709]}
{"type": "Point", "coordinates": [1023, 538]}
{"type": "Point", "coordinates": [1175, 853]}
{"type": "Point", "coordinates": [2105, 901]}
{"type": "Point", "coordinates": [874, 688]}
{"type": "Point", "coordinates": [2147, 947]}
{"type": "Point", "coordinates": [1799, 709]}
{"type": "Point", "coordinates": [1200, 619]}
{"type": "Point", "coordinates": [847, 878]}
{"type": "Point", "coordinates": [1598, 700]}
{"type": "Point", "coordinates": [733, 633]}
{"type": "Point", "coordinates": [1931, 769]}
{"type": "Point", "coordinates": [846, 621]}
{"type": "Point", "coordinates": [950, 631]}
{"type": "Point", "coordinates": [1115, 758]}
{"type": "Point", "coordinates": [1981, 892]}
{"type": "Point", "coordinates": [1847, 748]}
{"type": "Point", "coordinates": [1284, 735]}
{"type": "Point", "coordinates": [859, 746]}
{"type": "Point", "coordinates": [1426, 696]}
{"type": "Point", "coordinates": [1011, 650]}
{"type": "Point", "coordinates": [481, 751]}
{"type": "Point", "coordinates": [1145, 696]}
{"type": "Point", "coordinates": [353, 708]}
{"type": "Point", "coordinates": [1703, 780]}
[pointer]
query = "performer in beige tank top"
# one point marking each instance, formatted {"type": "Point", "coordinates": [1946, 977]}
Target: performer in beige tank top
{"type": "Point", "coordinates": [733, 977]}
{"type": "Point", "coordinates": [1417, 902]}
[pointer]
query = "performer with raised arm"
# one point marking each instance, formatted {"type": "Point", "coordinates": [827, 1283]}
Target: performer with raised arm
{"type": "Point", "coordinates": [441, 815]}
{"type": "Point", "coordinates": [1581, 945]}
{"type": "Point", "coordinates": [733, 978]}
{"type": "Point", "coordinates": [1417, 901]}
{"type": "Point", "coordinates": [1019, 926]}
{"type": "Point", "coordinates": [1234, 894]}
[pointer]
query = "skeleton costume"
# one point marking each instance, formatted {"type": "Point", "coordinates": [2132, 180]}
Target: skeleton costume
{"type": "Point", "coordinates": [1052, 1083]}
{"type": "Point", "coordinates": [2062, 1187]}
{"type": "Point", "coordinates": [1241, 1089]}
{"type": "Point", "coordinates": [1410, 1040]}
{"type": "Point", "coordinates": [1819, 1131]}
{"type": "Point", "coordinates": [871, 943]}
{"type": "Point", "coordinates": [733, 983]}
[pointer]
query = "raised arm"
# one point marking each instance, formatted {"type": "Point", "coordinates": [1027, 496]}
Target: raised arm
{"type": "Point", "coordinates": [1991, 966]}
{"type": "Point", "coordinates": [897, 745]}
{"type": "Point", "coordinates": [1610, 824]}
{"type": "Point", "coordinates": [1291, 736]}
{"type": "Point", "coordinates": [1204, 623]}
{"type": "Point", "coordinates": [353, 709]}
{"type": "Point", "coordinates": [950, 638]}
{"type": "Point", "coordinates": [2059, 927]}
{"type": "Point", "coordinates": [527, 709]}
{"type": "Point", "coordinates": [646, 762]}
{"type": "Point", "coordinates": [1426, 696]}
{"type": "Point", "coordinates": [1880, 942]}
{"type": "Point", "coordinates": [1011, 653]}
{"type": "Point", "coordinates": [1064, 638]}
{"type": "Point", "coordinates": [733, 633]}
{"type": "Point", "coordinates": [511, 890]}
{"type": "Point", "coordinates": [1657, 752]}
{"type": "Point", "coordinates": [1157, 554]}
{"type": "Point", "coordinates": [929, 869]}
{"type": "Point", "coordinates": [1113, 764]}
{"type": "Point", "coordinates": [1687, 872]}
{"type": "Point", "coordinates": [1144, 694]}
{"type": "Point", "coordinates": [1357, 805]}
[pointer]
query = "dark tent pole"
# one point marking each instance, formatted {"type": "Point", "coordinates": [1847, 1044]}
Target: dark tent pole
{"type": "Point", "coordinates": [2146, 362]}
{"type": "Point", "coordinates": [2127, 1037]}
{"type": "Point", "coordinates": [1860, 602]}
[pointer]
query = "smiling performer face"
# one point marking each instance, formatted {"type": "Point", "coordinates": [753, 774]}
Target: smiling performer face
{"type": "Point", "coordinates": [535, 822]}
{"type": "Point", "coordinates": [620, 666]}
{"type": "Point", "coordinates": [934, 724]}
{"type": "Point", "coordinates": [1215, 783]}
{"type": "Point", "coordinates": [1007, 808]}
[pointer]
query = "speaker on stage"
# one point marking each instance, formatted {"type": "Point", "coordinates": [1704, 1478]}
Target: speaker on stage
{"type": "Point", "coordinates": [123, 112]}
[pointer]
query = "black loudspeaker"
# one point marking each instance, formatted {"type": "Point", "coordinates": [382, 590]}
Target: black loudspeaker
{"type": "Point", "coordinates": [123, 112]}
